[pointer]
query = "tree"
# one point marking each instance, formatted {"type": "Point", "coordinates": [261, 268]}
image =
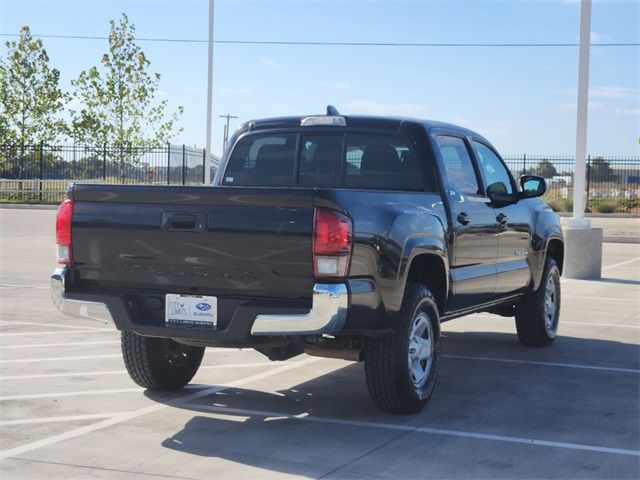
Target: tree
{"type": "Point", "coordinates": [600, 171]}
{"type": "Point", "coordinates": [118, 107]}
{"type": "Point", "coordinates": [30, 97]}
{"type": "Point", "coordinates": [545, 169]}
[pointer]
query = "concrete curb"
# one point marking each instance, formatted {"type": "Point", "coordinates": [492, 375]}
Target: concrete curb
{"type": "Point", "coordinates": [600, 215]}
{"type": "Point", "coordinates": [612, 239]}
{"type": "Point", "coordinates": [27, 206]}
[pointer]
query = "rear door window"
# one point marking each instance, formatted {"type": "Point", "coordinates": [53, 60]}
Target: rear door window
{"type": "Point", "coordinates": [262, 160]}
{"type": "Point", "coordinates": [458, 164]}
{"type": "Point", "coordinates": [321, 160]}
{"type": "Point", "coordinates": [381, 162]}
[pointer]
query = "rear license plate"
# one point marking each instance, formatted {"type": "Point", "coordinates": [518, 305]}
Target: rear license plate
{"type": "Point", "coordinates": [191, 310]}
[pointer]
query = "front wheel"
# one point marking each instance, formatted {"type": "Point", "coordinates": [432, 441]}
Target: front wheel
{"type": "Point", "coordinates": [159, 363]}
{"type": "Point", "coordinates": [538, 313]}
{"type": "Point", "coordinates": [402, 369]}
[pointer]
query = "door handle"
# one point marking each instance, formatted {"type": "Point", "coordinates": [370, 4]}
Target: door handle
{"type": "Point", "coordinates": [501, 219]}
{"type": "Point", "coordinates": [191, 222]}
{"type": "Point", "coordinates": [463, 218]}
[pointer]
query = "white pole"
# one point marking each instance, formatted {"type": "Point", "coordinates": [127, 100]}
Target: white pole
{"type": "Point", "coordinates": [579, 174]}
{"type": "Point", "coordinates": [207, 156]}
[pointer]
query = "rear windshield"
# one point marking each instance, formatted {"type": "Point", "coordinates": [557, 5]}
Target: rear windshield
{"type": "Point", "coordinates": [362, 161]}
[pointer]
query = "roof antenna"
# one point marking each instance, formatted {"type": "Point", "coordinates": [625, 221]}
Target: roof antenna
{"type": "Point", "coordinates": [331, 110]}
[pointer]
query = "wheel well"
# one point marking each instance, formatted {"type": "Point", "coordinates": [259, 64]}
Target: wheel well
{"type": "Point", "coordinates": [429, 270]}
{"type": "Point", "coordinates": [555, 250]}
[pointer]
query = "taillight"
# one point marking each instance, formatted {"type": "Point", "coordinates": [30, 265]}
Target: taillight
{"type": "Point", "coordinates": [332, 233]}
{"type": "Point", "coordinates": [63, 232]}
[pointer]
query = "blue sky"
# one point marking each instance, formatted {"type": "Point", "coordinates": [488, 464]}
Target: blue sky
{"type": "Point", "coordinates": [522, 99]}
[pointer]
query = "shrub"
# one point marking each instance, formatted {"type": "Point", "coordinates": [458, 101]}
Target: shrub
{"type": "Point", "coordinates": [606, 207]}
{"type": "Point", "coordinates": [630, 204]}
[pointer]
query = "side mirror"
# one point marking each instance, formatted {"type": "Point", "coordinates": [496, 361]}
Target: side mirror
{"type": "Point", "coordinates": [532, 186]}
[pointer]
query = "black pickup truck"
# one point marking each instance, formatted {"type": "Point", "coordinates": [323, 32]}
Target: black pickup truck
{"type": "Point", "coordinates": [349, 237]}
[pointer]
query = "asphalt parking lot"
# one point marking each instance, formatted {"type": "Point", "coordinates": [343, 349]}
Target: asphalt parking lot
{"type": "Point", "coordinates": [500, 410]}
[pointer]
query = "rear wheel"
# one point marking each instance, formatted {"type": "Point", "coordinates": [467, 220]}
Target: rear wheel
{"type": "Point", "coordinates": [159, 363]}
{"type": "Point", "coordinates": [538, 313]}
{"type": "Point", "coordinates": [402, 369]}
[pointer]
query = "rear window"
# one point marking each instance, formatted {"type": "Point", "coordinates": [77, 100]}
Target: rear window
{"type": "Point", "coordinates": [363, 161]}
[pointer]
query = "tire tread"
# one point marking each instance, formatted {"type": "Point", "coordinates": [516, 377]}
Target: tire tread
{"type": "Point", "coordinates": [145, 365]}
{"type": "Point", "coordinates": [384, 360]}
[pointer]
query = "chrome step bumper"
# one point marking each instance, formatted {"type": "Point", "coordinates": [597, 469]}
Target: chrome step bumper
{"type": "Point", "coordinates": [328, 313]}
{"type": "Point", "coordinates": [76, 308]}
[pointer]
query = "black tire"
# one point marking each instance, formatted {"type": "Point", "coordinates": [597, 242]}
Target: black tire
{"type": "Point", "coordinates": [159, 363]}
{"type": "Point", "coordinates": [536, 323]}
{"type": "Point", "coordinates": [392, 386]}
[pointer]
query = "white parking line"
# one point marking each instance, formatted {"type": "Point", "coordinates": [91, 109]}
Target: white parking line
{"type": "Point", "coordinates": [408, 428]}
{"type": "Point", "coordinates": [77, 393]}
{"type": "Point", "coordinates": [71, 344]}
{"type": "Point", "coordinates": [545, 364]}
{"type": "Point", "coordinates": [60, 359]}
{"type": "Point", "coordinates": [621, 264]}
{"type": "Point", "coordinates": [599, 324]}
{"type": "Point", "coordinates": [591, 297]}
{"type": "Point", "coordinates": [604, 269]}
{"type": "Point", "coordinates": [37, 287]}
{"type": "Point", "coordinates": [42, 324]}
{"type": "Point", "coordinates": [77, 432]}
{"type": "Point", "coordinates": [59, 332]}
{"type": "Point", "coordinates": [69, 418]}
{"type": "Point", "coordinates": [122, 372]}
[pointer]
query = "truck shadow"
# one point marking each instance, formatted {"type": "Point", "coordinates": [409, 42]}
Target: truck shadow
{"type": "Point", "coordinates": [322, 424]}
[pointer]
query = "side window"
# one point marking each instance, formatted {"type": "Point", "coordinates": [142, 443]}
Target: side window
{"type": "Point", "coordinates": [381, 162]}
{"type": "Point", "coordinates": [458, 165]}
{"type": "Point", "coordinates": [259, 160]}
{"type": "Point", "coordinates": [321, 160]}
{"type": "Point", "coordinates": [495, 174]}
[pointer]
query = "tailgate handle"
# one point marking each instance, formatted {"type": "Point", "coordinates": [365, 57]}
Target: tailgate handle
{"type": "Point", "coordinates": [195, 222]}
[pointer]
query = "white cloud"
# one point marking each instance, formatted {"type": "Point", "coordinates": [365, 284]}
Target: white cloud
{"type": "Point", "coordinates": [377, 108]}
{"type": "Point", "coordinates": [628, 111]}
{"type": "Point", "coordinates": [611, 92]}
{"type": "Point", "coordinates": [269, 62]}
{"type": "Point", "coordinates": [603, 91]}
{"type": "Point", "coordinates": [574, 106]}
{"type": "Point", "coordinates": [595, 37]}
{"type": "Point", "coordinates": [241, 91]}
{"type": "Point", "coordinates": [574, 2]}
{"type": "Point", "coordinates": [341, 86]}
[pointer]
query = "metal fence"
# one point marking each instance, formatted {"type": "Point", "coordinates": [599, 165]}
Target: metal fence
{"type": "Point", "coordinates": [612, 183]}
{"type": "Point", "coordinates": [41, 173]}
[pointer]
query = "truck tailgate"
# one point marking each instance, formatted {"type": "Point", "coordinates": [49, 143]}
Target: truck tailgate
{"type": "Point", "coordinates": [249, 242]}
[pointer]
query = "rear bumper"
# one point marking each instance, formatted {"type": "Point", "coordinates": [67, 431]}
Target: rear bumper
{"type": "Point", "coordinates": [76, 308]}
{"type": "Point", "coordinates": [328, 314]}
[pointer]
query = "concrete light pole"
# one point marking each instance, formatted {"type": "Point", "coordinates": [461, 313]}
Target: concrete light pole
{"type": "Point", "coordinates": [583, 252]}
{"type": "Point", "coordinates": [207, 156]}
